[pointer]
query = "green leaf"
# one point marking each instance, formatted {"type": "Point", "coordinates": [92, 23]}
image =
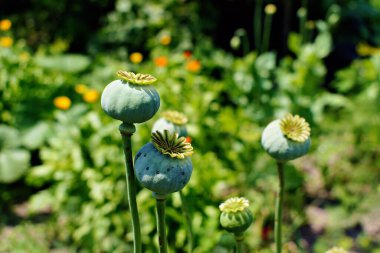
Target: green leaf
{"type": "Point", "coordinates": [8, 137]}
{"type": "Point", "coordinates": [13, 164]}
{"type": "Point", "coordinates": [294, 43]}
{"type": "Point", "coordinates": [71, 63]}
{"type": "Point", "coordinates": [35, 136]}
{"type": "Point", "coordinates": [323, 44]}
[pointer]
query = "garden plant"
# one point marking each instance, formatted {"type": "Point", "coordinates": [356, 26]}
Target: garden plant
{"type": "Point", "coordinates": [189, 126]}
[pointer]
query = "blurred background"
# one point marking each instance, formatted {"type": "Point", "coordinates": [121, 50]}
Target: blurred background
{"type": "Point", "coordinates": [231, 66]}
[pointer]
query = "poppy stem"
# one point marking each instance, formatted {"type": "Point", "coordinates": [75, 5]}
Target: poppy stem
{"type": "Point", "coordinates": [239, 243]}
{"type": "Point", "coordinates": [161, 226]}
{"type": "Point", "coordinates": [190, 235]}
{"type": "Point", "coordinates": [279, 204]}
{"type": "Point", "coordinates": [126, 131]}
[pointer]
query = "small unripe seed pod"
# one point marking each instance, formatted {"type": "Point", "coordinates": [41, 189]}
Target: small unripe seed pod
{"type": "Point", "coordinates": [287, 139]}
{"type": "Point", "coordinates": [173, 121]}
{"type": "Point", "coordinates": [131, 99]}
{"type": "Point", "coordinates": [235, 216]}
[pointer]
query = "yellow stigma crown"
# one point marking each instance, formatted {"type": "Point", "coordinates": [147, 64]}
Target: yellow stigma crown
{"type": "Point", "coordinates": [234, 205]}
{"type": "Point", "coordinates": [295, 128]}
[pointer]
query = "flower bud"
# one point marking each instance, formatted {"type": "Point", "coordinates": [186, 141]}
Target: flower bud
{"type": "Point", "coordinates": [173, 121]}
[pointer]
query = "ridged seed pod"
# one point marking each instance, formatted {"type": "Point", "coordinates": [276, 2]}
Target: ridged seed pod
{"type": "Point", "coordinates": [173, 121]}
{"type": "Point", "coordinates": [163, 165]}
{"type": "Point", "coordinates": [235, 216]}
{"type": "Point", "coordinates": [286, 139]}
{"type": "Point", "coordinates": [131, 99]}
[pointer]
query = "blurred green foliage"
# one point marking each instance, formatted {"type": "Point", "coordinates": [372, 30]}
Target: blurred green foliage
{"type": "Point", "coordinates": [76, 167]}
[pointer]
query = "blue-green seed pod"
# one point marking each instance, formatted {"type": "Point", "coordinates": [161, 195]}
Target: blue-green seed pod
{"type": "Point", "coordinates": [173, 121]}
{"type": "Point", "coordinates": [163, 165]}
{"type": "Point", "coordinates": [131, 99]}
{"type": "Point", "coordinates": [286, 139]}
{"type": "Point", "coordinates": [235, 216]}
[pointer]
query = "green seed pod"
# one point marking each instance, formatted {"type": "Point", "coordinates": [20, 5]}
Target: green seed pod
{"type": "Point", "coordinates": [163, 165]}
{"type": "Point", "coordinates": [235, 216]}
{"type": "Point", "coordinates": [173, 121]}
{"type": "Point", "coordinates": [131, 99]}
{"type": "Point", "coordinates": [286, 139]}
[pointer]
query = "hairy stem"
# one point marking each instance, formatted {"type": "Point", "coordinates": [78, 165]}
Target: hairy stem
{"type": "Point", "coordinates": [161, 226]}
{"type": "Point", "coordinates": [126, 131]}
{"type": "Point", "coordinates": [189, 227]}
{"type": "Point", "coordinates": [239, 243]}
{"type": "Point", "coordinates": [279, 204]}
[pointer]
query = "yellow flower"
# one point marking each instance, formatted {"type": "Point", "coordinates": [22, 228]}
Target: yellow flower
{"type": "Point", "coordinates": [193, 66]}
{"type": "Point", "coordinates": [6, 41]}
{"type": "Point", "coordinates": [81, 88]}
{"type": "Point", "coordinates": [364, 49]}
{"type": "Point", "coordinates": [165, 40]}
{"type": "Point", "coordinates": [270, 9]}
{"type": "Point", "coordinates": [5, 24]}
{"type": "Point", "coordinates": [91, 96]}
{"type": "Point", "coordinates": [62, 102]}
{"type": "Point", "coordinates": [136, 57]}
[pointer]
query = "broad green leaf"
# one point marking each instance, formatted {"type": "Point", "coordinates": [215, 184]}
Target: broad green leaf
{"type": "Point", "coordinates": [13, 164]}
{"type": "Point", "coordinates": [71, 63]}
{"type": "Point", "coordinates": [35, 136]}
{"type": "Point", "coordinates": [8, 137]}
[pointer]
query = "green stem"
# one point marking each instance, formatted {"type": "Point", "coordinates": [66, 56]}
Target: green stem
{"type": "Point", "coordinates": [279, 204]}
{"type": "Point", "coordinates": [267, 30]}
{"type": "Point", "coordinates": [161, 227]}
{"type": "Point", "coordinates": [257, 24]}
{"type": "Point", "coordinates": [303, 20]}
{"type": "Point", "coordinates": [239, 243]}
{"type": "Point", "coordinates": [126, 131]}
{"type": "Point", "coordinates": [189, 226]}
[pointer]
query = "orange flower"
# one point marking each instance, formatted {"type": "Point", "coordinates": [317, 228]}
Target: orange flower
{"type": "Point", "coordinates": [187, 54]}
{"type": "Point", "coordinates": [188, 139]}
{"type": "Point", "coordinates": [81, 88]}
{"type": "Point", "coordinates": [161, 61]}
{"type": "Point", "coordinates": [91, 96]}
{"type": "Point", "coordinates": [136, 57]}
{"type": "Point", "coordinates": [165, 40]}
{"type": "Point", "coordinates": [6, 41]}
{"type": "Point", "coordinates": [62, 102]}
{"type": "Point", "coordinates": [5, 24]}
{"type": "Point", "coordinates": [193, 65]}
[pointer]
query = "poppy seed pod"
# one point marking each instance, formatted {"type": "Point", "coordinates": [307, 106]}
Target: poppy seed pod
{"type": "Point", "coordinates": [163, 165]}
{"type": "Point", "coordinates": [173, 121]}
{"type": "Point", "coordinates": [131, 99]}
{"type": "Point", "coordinates": [235, 216]}
{"type": "Point", "coordinates": [287, 139]}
